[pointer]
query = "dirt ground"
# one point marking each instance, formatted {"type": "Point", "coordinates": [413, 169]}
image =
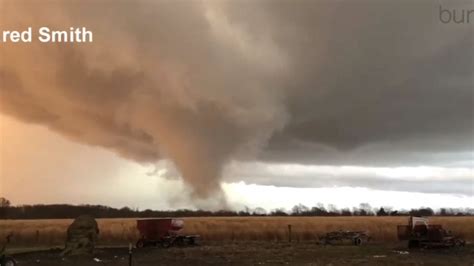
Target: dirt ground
{"type": "Point", "coordinates": [259, 253]}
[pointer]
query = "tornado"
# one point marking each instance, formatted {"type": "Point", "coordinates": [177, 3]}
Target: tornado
{"type": "Point", "coordinates": [158, 81]}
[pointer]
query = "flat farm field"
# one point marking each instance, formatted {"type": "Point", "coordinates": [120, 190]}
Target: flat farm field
{"type": "Point", "coordinates": [241, 241]}
{"type": "Point", "coordinates": [52, 233]}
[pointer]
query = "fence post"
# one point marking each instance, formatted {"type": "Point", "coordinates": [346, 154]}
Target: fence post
{"type": "Point", "coordinates": [289, 233]}
{"type": "Point", "coordinates": [130, 254]}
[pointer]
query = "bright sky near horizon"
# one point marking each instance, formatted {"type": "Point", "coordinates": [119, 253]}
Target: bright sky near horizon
{"type": "Point", "coordinates": [40, 166]}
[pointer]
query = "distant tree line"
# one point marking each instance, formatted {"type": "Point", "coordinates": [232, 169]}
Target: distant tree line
{"type": "Point", "coordinates": [62, 211]}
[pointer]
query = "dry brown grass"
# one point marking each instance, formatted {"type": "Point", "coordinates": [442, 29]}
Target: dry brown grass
{"type": "Point", "coordinates": [47, 233]}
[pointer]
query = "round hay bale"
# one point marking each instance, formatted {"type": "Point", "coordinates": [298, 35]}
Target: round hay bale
{"type": "Point", "coordinates": [82, 236]}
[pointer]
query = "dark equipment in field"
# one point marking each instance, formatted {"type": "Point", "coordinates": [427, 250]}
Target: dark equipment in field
{"type": "Point", "coordinates": [356, 238]}
{"type": "Point", "coordinates": [4, 259]}
{"type": "Point", "coordinates": [163, 232]}
{"type": "Point", "coordinates": [419, 233]}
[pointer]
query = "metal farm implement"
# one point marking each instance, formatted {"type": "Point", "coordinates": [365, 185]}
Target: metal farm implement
{"type": "Point", "coordinates": [356, 238]}
{"type": "Point", "coordinates": [4, 259]}
{"type": "Point", "coordinates": [419, 233]}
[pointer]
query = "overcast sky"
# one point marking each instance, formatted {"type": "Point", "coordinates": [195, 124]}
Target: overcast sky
{"type": "Point", "coordinates": [231, 103]}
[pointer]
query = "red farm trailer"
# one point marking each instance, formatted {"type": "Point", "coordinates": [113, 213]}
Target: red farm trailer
{"type": "Point", "coordinates": [163, 232]}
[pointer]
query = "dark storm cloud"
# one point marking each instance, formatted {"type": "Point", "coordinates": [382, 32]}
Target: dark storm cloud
{"type": "Point", "coordinates": [366, 75]}
{"type": "Point", "coordinates": [203, 83]}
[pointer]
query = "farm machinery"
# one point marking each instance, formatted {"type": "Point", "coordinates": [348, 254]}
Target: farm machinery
{"type": "Point", "coordinates": [356, 238]}
{"type": "Point", "coordinates": [4, 259]}
{"type": "Point", "coordinates": [163, 232]}
{"type": "Point", "coordinates": [419, 233]}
